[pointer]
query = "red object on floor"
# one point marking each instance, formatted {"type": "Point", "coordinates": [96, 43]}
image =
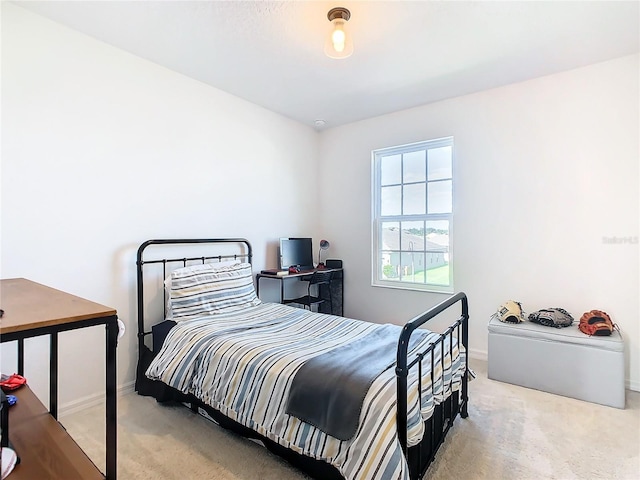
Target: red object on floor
{"type": "Point", "coordinates": [12, 382]}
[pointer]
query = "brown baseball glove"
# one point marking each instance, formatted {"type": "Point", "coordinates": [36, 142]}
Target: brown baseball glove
{"type": "Point", "coordinates": [596, 322]}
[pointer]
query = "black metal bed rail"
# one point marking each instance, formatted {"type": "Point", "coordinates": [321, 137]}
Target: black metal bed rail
{"type": "Point", "coordinates": [140, 262]}
{"type": "Point", "coordinates": [403, 366]}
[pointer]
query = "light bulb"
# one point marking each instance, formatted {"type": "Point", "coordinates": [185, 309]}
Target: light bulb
{"type": "Point", "coordinates": [338, 42]}
{"type": "Point", "coordinates": [338, 37]}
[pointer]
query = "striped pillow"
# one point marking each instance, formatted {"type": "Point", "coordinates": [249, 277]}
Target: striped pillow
{"type": "Point", "coordinates": [192, 269]}
{"type": "Point", "coordinates": [208, 291]}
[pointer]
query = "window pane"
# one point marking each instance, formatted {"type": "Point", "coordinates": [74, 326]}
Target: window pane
{"type": "Point", "coordinates": [390, 170]}
{"type": "Point", "coordinates": [412, 268]}
{"type": "Point", "coordinates": [438, 231]}
{"type": "Point", "coordinates": [412, 236]}
{"type": "Point", "coordinates": [414, 199]}
{"type": "Point", "coordinates": [389, 255]}
{"type": "Point", "coordinates": [390, 263]}
{"type": "Point", "coordinates": [437, 261]}
{"type": "Point", "coordinates": [439, 275]}
{"type": "Point", "coordinates": [413, 168]}
{"type": "Point", "coordinates": [390, 236]}
{"type": "Point", "coordinates": [439, 198]}
{"type": "Point", "coordinates": [439, 165]}
{"type": "Point", "coordinates": [390, 200]}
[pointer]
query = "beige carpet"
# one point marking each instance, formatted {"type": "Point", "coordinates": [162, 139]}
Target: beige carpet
{"type": "Point", "coordinates": [511, 433]}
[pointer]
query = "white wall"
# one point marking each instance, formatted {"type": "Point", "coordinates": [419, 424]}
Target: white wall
{"type": "Point", "coordinates": [544, 171]}
{"type": "Point", "coordinates": [101, 151]}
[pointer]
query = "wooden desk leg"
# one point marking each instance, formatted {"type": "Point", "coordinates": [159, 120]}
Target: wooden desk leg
{"type": "Point", "coordinates": [53, 376]}
{"type": "Point", "coordinates": [111, 417]}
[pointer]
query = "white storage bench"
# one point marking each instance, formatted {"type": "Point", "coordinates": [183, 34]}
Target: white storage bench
{"type": "Point", "coordinates": [563, 361]}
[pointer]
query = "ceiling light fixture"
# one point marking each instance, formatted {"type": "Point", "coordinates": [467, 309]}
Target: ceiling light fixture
{"type": "Point", "coordinates": [338, 44]}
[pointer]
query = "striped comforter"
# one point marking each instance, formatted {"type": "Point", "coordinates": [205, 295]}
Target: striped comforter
{"type": "Point", "coordinates": [243, 363]}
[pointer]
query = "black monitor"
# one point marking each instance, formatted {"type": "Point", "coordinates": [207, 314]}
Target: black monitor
{"type": "Point", "coordinates": [296, 252]}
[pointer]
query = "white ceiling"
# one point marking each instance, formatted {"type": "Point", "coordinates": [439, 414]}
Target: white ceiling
{"type": "Point", "coordinates": [406, 53]}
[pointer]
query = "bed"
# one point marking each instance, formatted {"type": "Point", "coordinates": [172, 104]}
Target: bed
{"type": "Point", "coordinates": [269, 371]}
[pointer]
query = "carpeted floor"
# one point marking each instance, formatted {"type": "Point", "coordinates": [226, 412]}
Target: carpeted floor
{"type": "Point", "coordinates": [511, 433]}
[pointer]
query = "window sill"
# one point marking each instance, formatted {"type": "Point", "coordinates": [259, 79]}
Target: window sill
{"type": "Point", "coordinates": [447, 290]}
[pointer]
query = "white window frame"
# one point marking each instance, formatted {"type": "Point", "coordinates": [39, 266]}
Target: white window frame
{"type": "Point", "coordinates": [377, 218]}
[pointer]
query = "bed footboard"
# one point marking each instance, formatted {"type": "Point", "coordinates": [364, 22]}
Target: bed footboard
{"type": "Point", "coordinates": [421, 456]}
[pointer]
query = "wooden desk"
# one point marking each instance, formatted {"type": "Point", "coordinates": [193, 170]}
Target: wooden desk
{"type": "Point", "coordinates": [337, 289]}
{"type": "Point", "coordinates": [44, 447]}
{"type": "Point", "coordinates": [30, 310]}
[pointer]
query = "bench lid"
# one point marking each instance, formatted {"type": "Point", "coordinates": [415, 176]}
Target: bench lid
{"type": "Point", "coordinates": [571, 334]}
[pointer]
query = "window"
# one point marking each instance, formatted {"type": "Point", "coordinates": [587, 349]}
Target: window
{"type": "Point", "coordinates": [413, 216]}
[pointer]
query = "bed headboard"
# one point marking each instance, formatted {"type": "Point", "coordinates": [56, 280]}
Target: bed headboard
{"type": "Point", "coordinates": [156, 260]}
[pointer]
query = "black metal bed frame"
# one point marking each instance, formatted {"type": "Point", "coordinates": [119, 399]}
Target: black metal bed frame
{"type": "Point", "coordinates": [140, 262]}
{"type": "Point", "coordinates": [420, 456]}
